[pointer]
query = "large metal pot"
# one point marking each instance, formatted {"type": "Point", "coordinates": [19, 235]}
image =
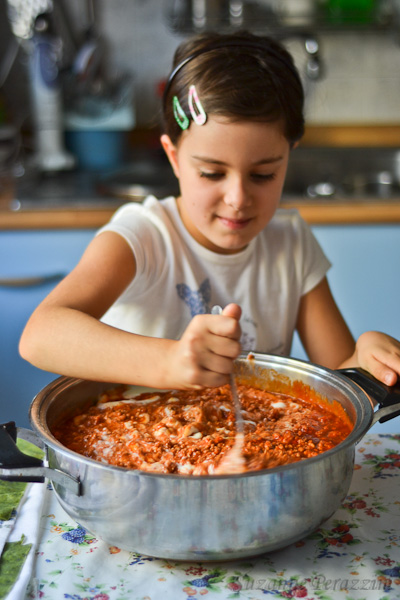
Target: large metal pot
{"type": "Point", "coordinates": [205, 517]}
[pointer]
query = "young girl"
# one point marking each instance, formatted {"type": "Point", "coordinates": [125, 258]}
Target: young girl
{"type": "Point", "coordinates": [136, 309]}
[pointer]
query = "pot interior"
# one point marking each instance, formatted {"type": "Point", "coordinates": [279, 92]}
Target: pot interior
{"type": "Point", "coordinates": [64, 397]}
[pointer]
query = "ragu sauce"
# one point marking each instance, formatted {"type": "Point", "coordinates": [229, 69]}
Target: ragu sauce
{"type": "Point", "coordinates": [190, 432]}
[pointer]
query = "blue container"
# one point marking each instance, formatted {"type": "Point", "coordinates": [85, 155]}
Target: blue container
{"type": "Point", "coordinates": [97, 150]}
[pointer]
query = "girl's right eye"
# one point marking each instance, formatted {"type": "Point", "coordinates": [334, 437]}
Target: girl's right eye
{"type": "Point", "coordinates": [211, 175]}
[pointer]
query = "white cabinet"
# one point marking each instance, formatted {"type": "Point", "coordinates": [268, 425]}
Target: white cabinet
{"type": "Point", "coordinates": [365, 280]}
{"type": "Point", "coordinates": [31, 263]}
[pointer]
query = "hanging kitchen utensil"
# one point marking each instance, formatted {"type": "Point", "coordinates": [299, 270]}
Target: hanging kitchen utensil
{"type": "Point", "coordinates": [46, 97]}
{"type": "Point", "coordinates": [22, 15]}
{"type": "Point", "coordinates": [32, 23]}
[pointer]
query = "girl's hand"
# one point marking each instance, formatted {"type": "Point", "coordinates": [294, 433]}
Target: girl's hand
{"type": "Point", "coordinates": [379, 354]}
{"type": "Point", "coordinates": [204, 355]}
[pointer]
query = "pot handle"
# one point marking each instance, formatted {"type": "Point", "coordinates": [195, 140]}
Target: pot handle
{"type": "Point", "coordinates": [17, 466]}
{"type": "Point", "coordinates": [387, 397]}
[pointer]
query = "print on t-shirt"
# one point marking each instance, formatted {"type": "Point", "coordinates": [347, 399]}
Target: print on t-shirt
{"type": "Point", "coordinates": [198, 302]}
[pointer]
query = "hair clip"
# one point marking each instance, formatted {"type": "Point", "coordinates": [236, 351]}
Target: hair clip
{"type": "Point", "coordinates": [179, 114]}
{"type": "Point", "coordinates": [196, 109]}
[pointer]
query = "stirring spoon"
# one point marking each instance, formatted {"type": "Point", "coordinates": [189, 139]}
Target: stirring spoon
{"type": "Point", "coordinates": [233, 461]}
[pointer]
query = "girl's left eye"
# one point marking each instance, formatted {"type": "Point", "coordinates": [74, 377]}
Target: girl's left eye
{"type": "Point", "coordinates": [263, 176]}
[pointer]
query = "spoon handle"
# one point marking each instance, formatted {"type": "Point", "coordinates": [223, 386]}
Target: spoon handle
{"type": "Point", "coordinates": [217, 310]}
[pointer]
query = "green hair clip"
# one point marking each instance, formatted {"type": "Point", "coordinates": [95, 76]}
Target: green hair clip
{"type": "Point", "coordinates": [179, 114]}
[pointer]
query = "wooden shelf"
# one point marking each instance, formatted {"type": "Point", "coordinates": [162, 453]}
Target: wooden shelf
{"type": "Point", "coordinates": [361, 135]}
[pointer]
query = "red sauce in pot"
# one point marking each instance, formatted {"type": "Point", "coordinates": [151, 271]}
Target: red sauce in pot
{"type": "Point", "coordinates": [189, 432]}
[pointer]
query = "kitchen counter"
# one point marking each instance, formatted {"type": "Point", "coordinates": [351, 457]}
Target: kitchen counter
{"type": "Point", "coordinates": [353, 555]}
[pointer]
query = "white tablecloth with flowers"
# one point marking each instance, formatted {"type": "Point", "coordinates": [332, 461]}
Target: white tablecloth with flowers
{"type": "Point", "coordinates": [354, 555]}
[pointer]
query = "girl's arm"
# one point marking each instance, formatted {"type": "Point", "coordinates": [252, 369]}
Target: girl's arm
{"type": "Point", "coordinates": [64, 335]}
{"type": "Point", "coordinates": [322, 329]}
{"type": "Point", "coordinates": [328, 341]}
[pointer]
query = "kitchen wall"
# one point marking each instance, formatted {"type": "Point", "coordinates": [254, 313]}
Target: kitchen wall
{"type": "Point", "coordinates": [361, 82]}
{"type": "Point", "coordinates": [362, 70]}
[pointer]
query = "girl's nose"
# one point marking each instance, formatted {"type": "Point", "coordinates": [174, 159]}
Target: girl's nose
{"type": "Point", "coordinates": [236, 196]}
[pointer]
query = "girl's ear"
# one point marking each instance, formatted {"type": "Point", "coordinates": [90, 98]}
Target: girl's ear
{"type": "Point", "coordinates": [171, 151]}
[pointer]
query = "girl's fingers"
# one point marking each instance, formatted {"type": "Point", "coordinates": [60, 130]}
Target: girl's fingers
{"type": "Point", "coordinates": [382, 357]}
{"type": "Point", "coordinates": [382, 372]}
{"type": "Point", "coordinates": [224, 327]}
{"type": "Point", "coordinates": [232, 310]}
{"type": "Point", "coordinates": [217, 363]}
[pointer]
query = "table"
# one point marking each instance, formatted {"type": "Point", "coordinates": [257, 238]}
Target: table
{"type": "Point", "coordinates": [355, 555]}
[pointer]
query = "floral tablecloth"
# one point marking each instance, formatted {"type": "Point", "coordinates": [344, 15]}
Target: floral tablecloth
{"type": "Point", "coordinates": [354, 555]}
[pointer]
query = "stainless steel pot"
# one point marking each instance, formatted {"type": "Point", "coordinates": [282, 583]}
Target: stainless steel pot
{"type": "Point", "coordinates": [204, 517]}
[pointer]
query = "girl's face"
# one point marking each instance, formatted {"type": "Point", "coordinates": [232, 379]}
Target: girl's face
{"type": "Point", "coordinates": [231, 176]}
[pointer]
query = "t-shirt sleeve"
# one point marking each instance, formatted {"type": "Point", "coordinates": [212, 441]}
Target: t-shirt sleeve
{"type": "Point", "coordinates": [140, 228]}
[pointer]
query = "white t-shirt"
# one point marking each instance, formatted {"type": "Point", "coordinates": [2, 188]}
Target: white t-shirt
{"type": "Point", "coordinates": [178, 278]}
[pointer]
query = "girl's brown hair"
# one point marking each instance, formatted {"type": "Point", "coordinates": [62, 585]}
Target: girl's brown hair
{"type": "Point", "coordinates": [240, 76]}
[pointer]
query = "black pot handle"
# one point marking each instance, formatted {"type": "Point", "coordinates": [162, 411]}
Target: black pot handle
{"type": "Point", "coordinates": [11, 456]}
{"type": "Point", "coordinates": [384, 395]}
{"type": "Point", "coordinates": [17, 466]}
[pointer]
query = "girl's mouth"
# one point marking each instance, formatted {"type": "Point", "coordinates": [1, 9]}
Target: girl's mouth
{"type": "Point", "coordinates": [234, 224]}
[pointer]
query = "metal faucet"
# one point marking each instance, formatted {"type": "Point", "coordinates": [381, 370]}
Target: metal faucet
{"type": "Point", "coordinates": [313, 65]}
{"type": "Point", "coordinates": [205, 12]}
{"type": "Point", "coordinates": [199, 14]}
{"type": "Point", "coordinates": [236, 13]}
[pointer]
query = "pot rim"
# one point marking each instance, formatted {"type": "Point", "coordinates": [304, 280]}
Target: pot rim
{"type": "Point", "coordinates": [364, 416]}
